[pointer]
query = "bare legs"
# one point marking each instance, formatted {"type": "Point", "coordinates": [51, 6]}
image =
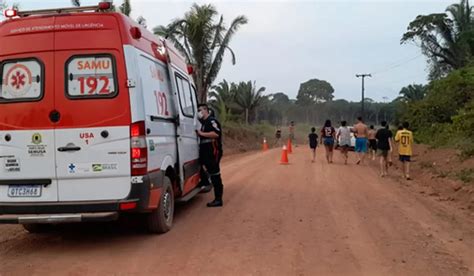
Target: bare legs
{"type": "Point", "coordinates": [329, 152]}
{"type": "Point", "coordinates": [406, 170]}
{"type": "Point", "coordinates": [383, 166]}
{"type": "Point", "coordinates": [345, 155]}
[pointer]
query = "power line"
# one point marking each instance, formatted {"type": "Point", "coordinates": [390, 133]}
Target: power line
{"type": "Point", "coordinates": [396, 65]}
{"type": "Point", "coordinates": [396, 81]}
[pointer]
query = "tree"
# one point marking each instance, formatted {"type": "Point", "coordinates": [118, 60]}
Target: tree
{"type": "Point", "coordinates": [315, 91]}
{"type": "Point", "coordinates": [126, 8]}
{"type": "Point", "coordinates": [277, 107]}
{"type": "Point", "coordinates": [203, 42]}
{"type": "Point", "coordinates": [280, 99]}
{"type": "Point", "coordinates": [249, 98]}
{"type": "Point", "coordinates": [412, 93]}
{"type": "Point", "coordinates": [222, 100]}
{"type": "Point", "coordinates": [446, 39]}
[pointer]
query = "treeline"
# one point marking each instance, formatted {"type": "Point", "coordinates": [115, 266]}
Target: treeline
{"type": "Point", "coordinates": [442, 112]}
{"type": "Point", "coordinates": [246, 103]}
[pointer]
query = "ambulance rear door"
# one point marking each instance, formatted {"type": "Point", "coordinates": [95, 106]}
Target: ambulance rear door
{"type": "Point", "coordinates": [27, 141]}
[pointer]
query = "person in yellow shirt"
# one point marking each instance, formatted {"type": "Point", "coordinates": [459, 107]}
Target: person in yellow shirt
{"type": "Point", "coordinates": [404, 138]}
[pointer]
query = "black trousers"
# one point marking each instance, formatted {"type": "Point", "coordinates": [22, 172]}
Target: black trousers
{"type": "Point", "coordinates": [210, 158]}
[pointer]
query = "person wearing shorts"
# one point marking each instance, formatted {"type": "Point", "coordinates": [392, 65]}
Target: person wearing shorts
{"type": "Point", "coordinates": [372, 142]}
{"type": "Point", "coordinates": [404, 138]}
{"type": "Point", "coordinates": [384, 147]}
{"type": "Point", "coordinates": [343, 137]}
{"type": "Point", "coordinates": [327, 138]}
{"type": "Point", "coordinates": [361, 131]}
{"type": "Point", "coordinates": [313, 143]}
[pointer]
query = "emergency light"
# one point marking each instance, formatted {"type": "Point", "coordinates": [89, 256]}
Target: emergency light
{"type": "Point", "coordinates": [105, 5]}
{"type": "Point", "coordinates": [9, 13]}
{"type": "Point", "coordinates": [101, 7]}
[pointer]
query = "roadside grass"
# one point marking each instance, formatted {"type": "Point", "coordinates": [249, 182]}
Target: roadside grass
{"type": "Point", "coordinates": [466, 175]}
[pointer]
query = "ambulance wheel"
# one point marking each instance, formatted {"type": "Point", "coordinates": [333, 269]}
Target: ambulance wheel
{"type": "Point", "coordinates": [161, 219]}
{"type": "Point", "coordinates": [37, 228]}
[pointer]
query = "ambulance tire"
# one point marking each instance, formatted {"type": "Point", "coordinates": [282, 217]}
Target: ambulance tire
{"type": "Point", "coordinates": [37, 228]}
{"type": "Point", "coordinates": [161, 219]}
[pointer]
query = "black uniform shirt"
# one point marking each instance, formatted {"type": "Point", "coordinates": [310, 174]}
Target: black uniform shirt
{"type": "Point", "coordinates": [209, 125]}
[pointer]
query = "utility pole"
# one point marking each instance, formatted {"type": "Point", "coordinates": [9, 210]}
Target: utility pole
{"type": "Point", "coordinates": [385, 99]}
{"type": "Point", "coordinates": [363, 76]}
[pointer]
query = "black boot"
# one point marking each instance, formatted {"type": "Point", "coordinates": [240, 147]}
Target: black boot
{"type": "Point", "coordinates": [215, 203]}
{"type": "Point", "coordinates": [205, 182]}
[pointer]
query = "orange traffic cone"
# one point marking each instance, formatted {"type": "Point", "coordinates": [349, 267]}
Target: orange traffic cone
{"type": "Point", "coordinates": [284, 156]}
{"type": "Point", "coordinates": [290, 150]}
{"type": "Point", "coordinates": [265, 145]}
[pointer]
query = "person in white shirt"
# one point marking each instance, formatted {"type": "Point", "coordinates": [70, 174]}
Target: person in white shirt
{"type": "Point", "coordinates": [343, 135]}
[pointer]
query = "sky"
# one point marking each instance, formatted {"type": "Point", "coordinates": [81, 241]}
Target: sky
{"type": "Point", "coordinates": [287, 42]}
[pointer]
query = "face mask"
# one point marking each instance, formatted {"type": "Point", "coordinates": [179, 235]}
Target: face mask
{"type": "Point", "coordinates": [200, 115]}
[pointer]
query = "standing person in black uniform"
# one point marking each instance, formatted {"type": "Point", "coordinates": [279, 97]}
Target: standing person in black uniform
{"type": "Point", "coordinates": [210, 153]}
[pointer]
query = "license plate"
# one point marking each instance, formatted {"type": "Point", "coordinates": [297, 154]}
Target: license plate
{"type": "Point", "coordinates": [24, 190]}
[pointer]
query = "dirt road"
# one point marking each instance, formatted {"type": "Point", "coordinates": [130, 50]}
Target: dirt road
{"type": "Point", "coordinates": [299, 219]}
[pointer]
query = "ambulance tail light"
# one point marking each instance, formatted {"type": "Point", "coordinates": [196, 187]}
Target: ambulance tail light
{"type": "Point", "coordinates": [190, 69]}
{"type": "Point", "coordinates": [138, 149]}
{"type": "Point", "coordinates": [10, 13]}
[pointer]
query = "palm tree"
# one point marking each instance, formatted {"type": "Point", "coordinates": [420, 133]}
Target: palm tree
{"type": "Point", "coordinates": [203, 42]}
{"type": "Point", "coordinates": [249, 98]}
{"type": "Point", "coordinates": [445, 38]}
{"type": "Point", "coordinates": [412, 93]}
{"type": "Point", "coordinates": [126, 8]}
{"type": "Point", "coordinates": [222, 100]}
{"type": "Point", "coordinates": [461, 14]}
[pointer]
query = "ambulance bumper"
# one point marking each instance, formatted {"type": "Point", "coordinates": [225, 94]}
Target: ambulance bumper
{"type": "Point", "coordinates": [62, 207]}
{"type": "Point", "coordinates": [58, 218]}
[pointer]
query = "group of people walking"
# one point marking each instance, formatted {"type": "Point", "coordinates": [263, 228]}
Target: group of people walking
{"type": "Point", "coordinates": [368, 140]}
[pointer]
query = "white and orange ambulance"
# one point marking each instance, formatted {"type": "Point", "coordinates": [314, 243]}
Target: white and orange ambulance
{"type": "Point", "coordinates": [97, 118]}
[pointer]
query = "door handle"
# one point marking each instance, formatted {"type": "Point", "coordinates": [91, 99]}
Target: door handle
{"type": "Point", "coordinates": [64, 149]}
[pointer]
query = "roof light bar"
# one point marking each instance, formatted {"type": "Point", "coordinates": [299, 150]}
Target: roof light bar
{"type": "Point", "coordinates": [102, 6]}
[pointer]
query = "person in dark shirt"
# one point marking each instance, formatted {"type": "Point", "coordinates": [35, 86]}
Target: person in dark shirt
{"type": "Point", "coordinates": [328, 135]}
{"type": "Point", "coordinates": [278, 137]}
{"type": "Point", "coordinates": [384, 147]}
{"type": "Point", "coordinates": [210, 153]}
{"type": "Point", "coordinates": [313, 143]}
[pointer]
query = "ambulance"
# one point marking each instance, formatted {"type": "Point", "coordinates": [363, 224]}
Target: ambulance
{"type": "Point", "coordinates": [97, 119]}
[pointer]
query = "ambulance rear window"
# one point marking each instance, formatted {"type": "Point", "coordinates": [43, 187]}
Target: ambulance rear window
{"type": "Point", "coordinates": [91, 76]}
{"type": "Point", "coordinates": [22, 80]}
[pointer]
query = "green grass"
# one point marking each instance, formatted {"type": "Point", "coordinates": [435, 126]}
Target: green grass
{"type": "Point", "coordinates": [466, 175]}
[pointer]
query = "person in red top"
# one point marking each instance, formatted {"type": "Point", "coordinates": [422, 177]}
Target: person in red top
{"type": "Point", "coordinates": [328, 135]}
